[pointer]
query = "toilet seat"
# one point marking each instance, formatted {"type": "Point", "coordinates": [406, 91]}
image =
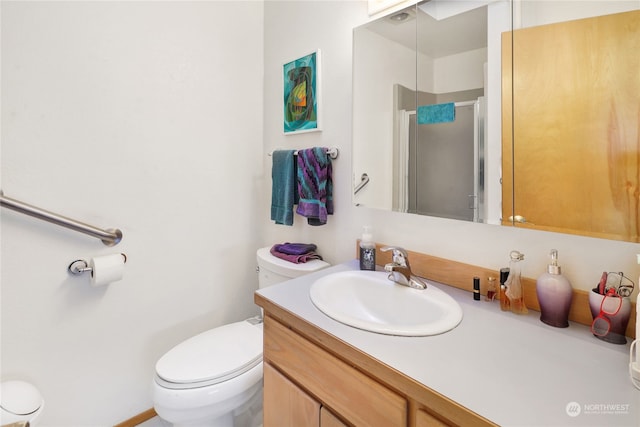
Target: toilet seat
{"type": "Point", "coordinates": [211, 357]}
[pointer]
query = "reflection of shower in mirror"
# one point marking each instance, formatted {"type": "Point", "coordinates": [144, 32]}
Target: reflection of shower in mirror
{"type": "Point", "coordinates": [440, 167]}
{"type": "Point", "coordinates": [429, 59]}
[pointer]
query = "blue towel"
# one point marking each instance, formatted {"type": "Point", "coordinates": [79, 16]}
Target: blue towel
{"type": "Point", "coordinates": [315, 185]}
{"type": "Point", "coordinates": [284, 193]}
{"type": "Point", "coordinates": [436, 113]}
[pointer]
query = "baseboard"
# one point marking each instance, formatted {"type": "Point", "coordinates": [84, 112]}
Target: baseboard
{"type": "Point", "coordinates": [138, 419]}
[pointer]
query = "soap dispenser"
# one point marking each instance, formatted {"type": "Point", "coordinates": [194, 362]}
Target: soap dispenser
{"type": "Point", "coordinates": [554, 294]}
{"type": "Point", "coordinates": [367, 251]}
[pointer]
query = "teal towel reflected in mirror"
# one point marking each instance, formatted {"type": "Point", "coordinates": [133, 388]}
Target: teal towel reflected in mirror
{"type": "Point", "coordinates": [436, 113]}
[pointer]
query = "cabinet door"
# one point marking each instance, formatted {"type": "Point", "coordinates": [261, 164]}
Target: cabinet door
{"type": "Point", "coordinates": [575, 92]}
{"type": "Point", "coordinates": [327, 419]}
{"type": "Point", "coordinates": [285, 404]}
{"type": "Point", "coordinates": [425, 419]}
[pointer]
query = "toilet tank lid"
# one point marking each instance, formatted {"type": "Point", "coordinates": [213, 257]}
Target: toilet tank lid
{"type": "Point", "coordinates": [220, 354]}
{"type": "Point", "coordinates": [287, 268]}
{"type": "Point", "coordinates": [19, 397]}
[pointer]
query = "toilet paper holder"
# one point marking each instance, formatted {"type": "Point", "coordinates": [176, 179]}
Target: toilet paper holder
{"type": "Point", "coordinates": [80, 266]}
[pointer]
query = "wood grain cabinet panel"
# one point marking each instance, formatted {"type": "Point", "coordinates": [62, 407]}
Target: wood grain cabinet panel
{"type": "Point", "coordinates": [285, 404]}
{"type": "Point", "coordinates": [425, 419]}
{"type": "Point", "coordinates": [570, 99]}
{"type": "Point", "coordinates": [328, 419]}
{"type": "Point", "coordinates": [354, 396]}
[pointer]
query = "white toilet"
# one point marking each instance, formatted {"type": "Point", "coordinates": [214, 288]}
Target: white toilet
{"type": "Point", "coordinates": [20, 403]}
{"type": "Point", "coordinates": [215, 378]}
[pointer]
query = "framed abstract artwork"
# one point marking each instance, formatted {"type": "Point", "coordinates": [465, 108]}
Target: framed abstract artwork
{"type": "Point", "coordinates": [301, 94]}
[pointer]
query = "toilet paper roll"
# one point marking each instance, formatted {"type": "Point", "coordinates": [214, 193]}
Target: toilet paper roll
{"type": "Point", "coordinates": [107, 269]}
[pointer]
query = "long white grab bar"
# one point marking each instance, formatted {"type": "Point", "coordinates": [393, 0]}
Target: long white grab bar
{"type": "Point", "coordinates": [109, 237]}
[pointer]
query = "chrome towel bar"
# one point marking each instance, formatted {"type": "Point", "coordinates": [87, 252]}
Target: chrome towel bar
{"type": "Point", "coordinates": [109, 237]}
{"type": "Point", "coordinates": [331, 151]}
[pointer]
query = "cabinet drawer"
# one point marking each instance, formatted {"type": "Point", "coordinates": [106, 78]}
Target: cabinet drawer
{"type": "Point", "coordinates": [358, 399]}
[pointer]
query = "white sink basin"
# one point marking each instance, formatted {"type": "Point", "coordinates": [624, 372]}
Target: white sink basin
{"type": "Point", "coordinates": [368, 300]}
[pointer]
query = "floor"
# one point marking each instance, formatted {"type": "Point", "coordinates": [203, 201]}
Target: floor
{"type": "Point", "coordinates": [155, 422]}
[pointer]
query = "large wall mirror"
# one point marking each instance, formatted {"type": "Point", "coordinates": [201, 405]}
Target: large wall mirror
{"type": "Point", "coordinates": [444, 99]}
{"type": "Point", "coordinates": [433, 59]}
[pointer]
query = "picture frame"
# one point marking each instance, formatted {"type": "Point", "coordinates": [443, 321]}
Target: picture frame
{"type": "Point", "coordinates": [302, 94]}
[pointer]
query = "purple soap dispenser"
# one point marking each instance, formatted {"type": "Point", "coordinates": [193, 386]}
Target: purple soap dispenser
{"type": "Point", "coordinates": [554, 295]}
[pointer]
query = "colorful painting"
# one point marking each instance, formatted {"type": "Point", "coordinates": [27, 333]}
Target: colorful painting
{"type": "Point", "coordinates": [302, 94]}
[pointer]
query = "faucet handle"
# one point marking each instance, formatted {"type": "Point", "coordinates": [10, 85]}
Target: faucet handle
{"type": "Point", "coordinates": [399, 257]}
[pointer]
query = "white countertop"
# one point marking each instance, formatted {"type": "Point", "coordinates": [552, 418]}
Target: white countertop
{"type": "Point", "coordinates": [511, 369]}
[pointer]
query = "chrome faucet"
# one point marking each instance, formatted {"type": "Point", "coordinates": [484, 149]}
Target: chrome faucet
{"type": "Point", "coordinates": [400, 271]}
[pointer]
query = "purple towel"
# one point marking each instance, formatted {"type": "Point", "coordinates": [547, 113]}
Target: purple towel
{"type": "Point", "coordinates": [296, 259]}
{"type": "Point", "coordinates": [295, 248]}
{"type": "Point", "coordinates": [315, 185]}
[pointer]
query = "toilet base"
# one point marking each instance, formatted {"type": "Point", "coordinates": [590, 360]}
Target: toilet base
{"type": "Point", "coordinates": [241, 410]}
{"type": "Point", "coordinates": [248, 415]}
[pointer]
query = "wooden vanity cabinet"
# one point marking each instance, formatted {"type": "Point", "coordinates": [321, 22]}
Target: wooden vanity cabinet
{"type": "Point", "coordinates": [334, 384]}
{"type": "Point", "coordinates": [313, 379]}
{"type": "Point", "coordinates": [286, 405]}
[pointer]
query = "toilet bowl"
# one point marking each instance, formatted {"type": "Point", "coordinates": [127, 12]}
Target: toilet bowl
{"type": "Point", "coordinates": [214, 379]}
{"type": "Point", "coordinates": [203, 380]}
{"type": "Point", "coordinates": [20, 402]}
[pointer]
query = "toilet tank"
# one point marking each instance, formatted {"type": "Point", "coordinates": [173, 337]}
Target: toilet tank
{"type": "Point", "coordinates": [273, 270]}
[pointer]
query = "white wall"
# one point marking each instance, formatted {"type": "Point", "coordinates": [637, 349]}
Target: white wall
{"type": "Point", "coordinates": [146, 116]}
{"type": "Point", "coordinates": [529, 13]}
{"type": "Point", "coordinates": [461, 71]}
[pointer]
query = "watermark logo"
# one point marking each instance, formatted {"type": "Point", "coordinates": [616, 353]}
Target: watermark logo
{"type": "Point", "coordinates": [573, 409]}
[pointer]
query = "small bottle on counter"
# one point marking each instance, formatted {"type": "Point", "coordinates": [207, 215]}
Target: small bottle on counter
{"type": "Point", "coordinates": [476, 289]}
{"type": "Point", "coordinates": [367, 251]}
{"type": "Point", "coordinates": [514, 284]}
{"type": "Point", "coordinates": [505, 304]}
{"type": "Point", "coordinates": [491, 289]}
